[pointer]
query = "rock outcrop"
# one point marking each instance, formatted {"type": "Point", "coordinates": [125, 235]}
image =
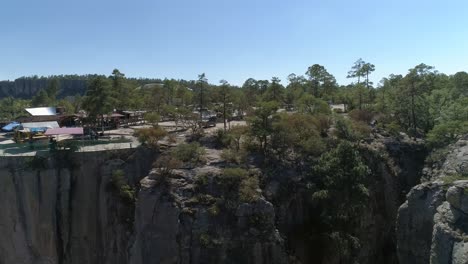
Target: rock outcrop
{"type": "Point", "coordinates": [61, 209]}
{"type": "Point", "coordinates": [181, 220]}
{"type": "Point", "coordinates": [395, 165]}
{"type": "Point", "coordinates": [432, 224]}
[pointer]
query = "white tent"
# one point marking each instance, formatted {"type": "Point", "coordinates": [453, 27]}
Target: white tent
{"type": "Point", "coordinates": [42, 111]}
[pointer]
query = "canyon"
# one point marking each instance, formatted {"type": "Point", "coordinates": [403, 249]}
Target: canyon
{"type": "Point", "coordinates": [65, 209]}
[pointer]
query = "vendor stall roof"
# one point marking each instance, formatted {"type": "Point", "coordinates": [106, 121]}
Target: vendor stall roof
{"type": "Point", "coordinates": [113, 115]}
{"type": "Point", "coordinates": [65, 131]}
{"type": "Point", "coordinates": [42, 111]}
{"type": "Point", "coordinates": [10, 126]}
{"type": "Point", "coordinates": [52, 124]}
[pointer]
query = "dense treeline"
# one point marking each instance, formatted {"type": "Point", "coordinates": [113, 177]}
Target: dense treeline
{"type": "Point", "coordinates": [422, 103]}
{"type": "Point", "coordinates": [84, 77]}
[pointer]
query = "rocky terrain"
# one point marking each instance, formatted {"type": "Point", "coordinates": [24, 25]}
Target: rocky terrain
{"type": "Point", "coordinates": [63, 209]}
{"type": "Point", "coordinates": [71, 209]}
{"type": "Point", "coordinates": [432, 223]}
{"type": "Point", "coordinates": [199, 216]}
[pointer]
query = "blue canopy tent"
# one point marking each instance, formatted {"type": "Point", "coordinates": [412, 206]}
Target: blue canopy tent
{"type": "Point", "coordinates": [10, 127]}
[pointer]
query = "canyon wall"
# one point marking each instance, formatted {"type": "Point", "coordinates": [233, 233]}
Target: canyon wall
{"type": "Point", "coordinates": [432, 225]}
{"type": "Point", "coordinates": [62, 209]}
{"type": "Point", "coordinates": [67, 209]}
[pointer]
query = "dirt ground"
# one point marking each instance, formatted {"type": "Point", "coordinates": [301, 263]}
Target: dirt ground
{"type": "Point", "coordinates": [9, 148]}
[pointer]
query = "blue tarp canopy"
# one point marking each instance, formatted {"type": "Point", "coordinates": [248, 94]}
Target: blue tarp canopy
{"type": "Point", "coordinates": [11, 126]}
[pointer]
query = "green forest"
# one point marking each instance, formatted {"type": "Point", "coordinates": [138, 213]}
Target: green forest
{"type": "Point", "coordinates": [424, 103]}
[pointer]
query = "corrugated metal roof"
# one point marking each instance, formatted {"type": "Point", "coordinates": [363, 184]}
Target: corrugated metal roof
{"type": "Point", "coordinates": [52, 124]}
{"type": "Point", "coordinates": [11, 126]}
{"type": "Point", "coordinates": [65, 131]}
{"type": "Point", "coordinates": [42, 111]}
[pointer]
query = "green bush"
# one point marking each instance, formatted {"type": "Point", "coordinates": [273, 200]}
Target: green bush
{"type": "Point", "coordinates": [202, 179]}
{"type": "Point", "coordinates": [352, 131]}
{"type": "Point", "coordinates": [233, 176]}
{"type": "Point", "coordinates": [343, 129]}
{"type": "Point", "coordinates": [248, 190]}
{"type": "Point", "coordinates": [150, 136]}
{"type": "Point", "coordinates": [233, 156]}
{"type": "Point", "coordinates": [449, 179]}
{"type": "Point", "coordinates": [446, 133]}
{"type": "Point", "coordinates": [361, 130]}
{"type": "Point", "coordinates": [361, 115]}
{"type": "Point", "coordinates": [120, 185]}
{"type": "Point", "coordinates": [222, 138]}
{"type": "Point", "coordinates": [247, 185]}
{"type": "Point", "coordinates": [394, 129]}
{"type": "Point", "coordinates": [189, 152]}
{"type": "Point", "coordinates": [152, 118]}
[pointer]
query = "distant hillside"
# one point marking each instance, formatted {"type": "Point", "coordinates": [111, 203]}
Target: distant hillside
{"type": "Point", "coordinates": [27, 87]}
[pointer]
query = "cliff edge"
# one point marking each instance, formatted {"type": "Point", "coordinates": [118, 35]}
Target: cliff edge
{"type": "Point", "coordinates": [432, 225]}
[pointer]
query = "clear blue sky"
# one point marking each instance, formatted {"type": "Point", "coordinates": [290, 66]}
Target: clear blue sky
{"type": "Point", "coordinates": [231, 40]}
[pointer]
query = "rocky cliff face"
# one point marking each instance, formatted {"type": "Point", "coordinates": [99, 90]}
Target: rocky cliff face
{"type": "Point", "coordinates": [174, 224]}
{"type": "Point", "coordinates": [52, 213]}
{"type": "Point", "coordinates": [57, 214]}
{"type": "Point", "coordinates": [395, 165]}
{"type": "Point", "coordinates": [27, 88]}
{"type": "Point", "coordinates": [432, 225]}
{"type": "Point", "coordinates": [192, 216]}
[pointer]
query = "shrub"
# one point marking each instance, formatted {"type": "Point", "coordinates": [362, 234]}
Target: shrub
{"type": "Point", "coordinates": [233, 156]}
{"type": "Point", "coordinates": [36, 163]}
{"type": "Point", "coordinates": [119, 184]}
{"type": "Point", "coordinates": [394, 129]}
{"type": "Point", "coordinates": [449, 179]}
{"type": "Point", "coordinates": [189, 152]}
{"type": "Point", "coordinates": [166, 165]}
{"type": "Point", "coordinates": [314, 146]}
{"type": "Point", "coordinates": [323, 123]}
{"type": "Point", "coordinates": [152, 118]}
{"type": "Point", "coordinates": [248, 190]}
{"type": "Point", "coordinates": [343, 129]}
{"type": "Point", "coordinates": [446, 133]}
{"type": "Point", "coordinates": [202, 179]}
{"type": "Point", "coordinates": [222, 138]}
{"type": "Point", "coordinates": [348, 130]}
{"type": "Point", "coordinates": [150, 136]}
{"type": "Point", "coordinates": [361, 115]}
{"type": "Point", "coordinates": [238, 178]}
{"type": "Point", "coordinates": [233, 176]}
{"type": "Point", "coordinates": [235, 134]}
{"type": "Point", "coordinates": [361, 130]}
{"type": "Point", "coordinates": [205, 199]}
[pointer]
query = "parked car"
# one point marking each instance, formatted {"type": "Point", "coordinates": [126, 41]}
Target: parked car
{"type": "Point", "coordinates": [208, 122]}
